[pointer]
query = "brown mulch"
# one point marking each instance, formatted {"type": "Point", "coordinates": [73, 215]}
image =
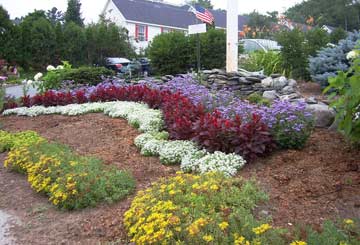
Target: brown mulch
{"type": "Point", "coordinates": [305, 186]}
{"type": "Point", "coordinates": [92, 135]}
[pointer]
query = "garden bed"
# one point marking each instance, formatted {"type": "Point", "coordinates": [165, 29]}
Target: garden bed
{"type": "Point", "coordinates": [305, 186]}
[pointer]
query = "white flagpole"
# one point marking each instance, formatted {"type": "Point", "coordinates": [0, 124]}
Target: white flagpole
{"type": "Point", "coordinates": [232, 36]}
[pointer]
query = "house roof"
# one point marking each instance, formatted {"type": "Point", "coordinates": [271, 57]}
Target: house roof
{"type": "Point", "coordinates": [167, 14]}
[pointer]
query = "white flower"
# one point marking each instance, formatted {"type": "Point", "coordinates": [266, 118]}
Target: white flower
{"type": "Point", "coordinates": [29, 82]}
{"type": "Point", "coordinates": [352, 55]}
{"type": "Point", "coordinates": [38, 76]}
{"type": "Point", "coordinates": [50, 68]}
{"type": "Point", "coordinates": [173, 151]}
{"type": "Point", "coordinates": [227, 164]}
{"type": "Point", "coordinates": [59, 67]}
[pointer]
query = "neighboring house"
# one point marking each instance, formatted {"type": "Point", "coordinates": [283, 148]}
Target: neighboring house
{"type": "Point", "coordinates": [146, 19]}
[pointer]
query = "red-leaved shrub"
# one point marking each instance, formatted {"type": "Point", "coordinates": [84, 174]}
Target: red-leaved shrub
{"type": "Point", "coordinates": [180, 115]}
{"type": "Point", "coordinates": [215, 133]}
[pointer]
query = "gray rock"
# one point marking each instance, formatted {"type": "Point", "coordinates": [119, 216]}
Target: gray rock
{"type": "Point", "coordinates": [218, 71]}
{"type": "Point", "coordinates": [253, 79]}
{"type": "Point", "coordinates": [288, 90]}
{"type": "Point", "coordinates": [170, 77]}
{"type": "Point", "coordinates": [234, 78]}
{"type": "Point", "coordinates": [324, 115]}
{"type": "Point", "coordinates": [219, 81]}
{"type": "Point", "coordinates": [244, 81]}
{"type": "Point", "coordinates": [292, 83]}
{"type": "Point", "coordinates": [311, 100]}
{"type": "Point", "coordinates": [290, 97]}
{"type": "Point", "coordinates": [280, 82]}
{"type": "Point", "coordinates": [165, 79]}
{"type": "Point", "coordinates": [232, 74]}
{"type": "Point", "coordinates": [275, 75]}
{"type": "Point", "coordinates": [271, 95]}
{"type": "Point", "coordinates": [222, 77]}
{"type": "Point", "coordinates": [267, 82]}
{"type": "Point", "coordinates": [232, 82]}
{"type": "Point", "coordinates": [207, 71]}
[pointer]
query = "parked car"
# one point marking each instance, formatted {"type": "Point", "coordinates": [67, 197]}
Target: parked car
{"type": "Point", "coordinates": [116, 64]}
{"type": "Point", "coordinates": [145, 66]}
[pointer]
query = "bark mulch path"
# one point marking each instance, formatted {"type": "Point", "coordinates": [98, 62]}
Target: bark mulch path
{"type": "Point", "coordinates": [305, 186]}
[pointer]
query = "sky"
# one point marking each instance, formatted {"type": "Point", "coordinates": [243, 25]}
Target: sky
{"type": "Point", "coordinates": [92, 8]}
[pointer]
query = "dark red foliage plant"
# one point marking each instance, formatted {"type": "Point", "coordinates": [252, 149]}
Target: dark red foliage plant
{"type": "Point", "coordinates": [215, 133]}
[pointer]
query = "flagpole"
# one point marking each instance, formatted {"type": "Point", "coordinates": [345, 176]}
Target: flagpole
{"type": "Point", "coordinates": [198, 51]}
{"type": "Point", "coordinates": [232, 36]}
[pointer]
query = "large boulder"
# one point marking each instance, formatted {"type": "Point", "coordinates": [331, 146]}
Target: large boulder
{"type": "Point", "coordinates": [267, 82]}
{"type": "Point", "coordinates": [324, 115]}
{"type": "Point", "coordinates": [270, 95]}
{"type": "Point", "coordinates": [280, 82]}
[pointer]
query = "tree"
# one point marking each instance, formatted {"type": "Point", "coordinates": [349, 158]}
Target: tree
{"type": "Point", "coordinates": [336, 13]}
{"type": "Point", "coordinates": [204, 3]}
{"type": "Point", "coordinates": [75, 44]}
{"type": "Point", "coordinates": [6, 28]}
{"type": "Point", "coordinates": [37, 42]}
{"type": "Point", "coordinates": [260, 25]}
{"type": "Point", "coordinates": [73, 13]}
{"type": "Point", "coordinates": [316, 39]}
{"type": "Point", "coordinates": [106, 39]}
{"type": "Point", "coordinates": [55, 16]}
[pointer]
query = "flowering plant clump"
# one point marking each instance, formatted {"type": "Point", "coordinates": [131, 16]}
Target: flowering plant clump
{"type": "Point", "coordinates": [191, 209]}
{"type": "Point", "coordinates": [8, 141]}
{"type": "Point", "coordinates": [173, 151]}
{"type": "Point", "coordinates": [228, 164]}
{"type": "Point", "coordinates": [70, 181]}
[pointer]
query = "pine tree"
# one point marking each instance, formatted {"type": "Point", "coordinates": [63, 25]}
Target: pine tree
{"type": "Point", "coordinates": [73, 13]}
{"type": "Point", "coordinates": [204, 3]}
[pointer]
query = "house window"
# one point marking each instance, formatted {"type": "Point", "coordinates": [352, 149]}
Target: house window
{"type": "Point", "coordinates": [142, 33]}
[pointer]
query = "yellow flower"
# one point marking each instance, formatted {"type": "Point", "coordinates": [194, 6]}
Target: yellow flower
{"type": "Point", "coordinates": [261, 229]}
{"type": "Point", "coordinates": [223, 225]}
{"type": "Point", "coordinates": [208, 238]}
{"type": "Point", "coordinates": [214, 187]}
{"type": "Point", "coordinates": [348, 221]}
{"type": "Point", "coordinates": [343, 243]}
{"type": "Point", "coordinates": [298, 243]}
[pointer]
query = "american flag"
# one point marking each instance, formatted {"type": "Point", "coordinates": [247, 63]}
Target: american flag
{"type": "Point", "coordinates": [202, 14]}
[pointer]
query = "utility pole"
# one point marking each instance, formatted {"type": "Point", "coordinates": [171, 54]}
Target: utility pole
{"type": "Point", "coordinates": [232, 36]}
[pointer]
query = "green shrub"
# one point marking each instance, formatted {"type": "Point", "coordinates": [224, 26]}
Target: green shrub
{"type": "Point", "coordinates": [256, 98]}
{"type": "Point", "coordinates": [173, 53]}
{"type": "Point", "coordinates": [294, 59]}
{"type": "Point", "coordinates": [190, 209]}
{"type": "Point", "coordinates": [169, 53]}
{"type": "Point", "coordinates": [71, 181]}
{"type": "Point", "coordinates": [80, 76]}
{"type": "Point", "coordinates": [347, 86]}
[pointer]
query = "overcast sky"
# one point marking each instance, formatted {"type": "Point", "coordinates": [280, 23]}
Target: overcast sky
{"type": "Point", "coordinates": [92, 8]}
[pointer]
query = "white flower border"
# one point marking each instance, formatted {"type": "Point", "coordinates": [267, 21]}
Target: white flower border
{"type": "Point", "coordinates": [153, 142]}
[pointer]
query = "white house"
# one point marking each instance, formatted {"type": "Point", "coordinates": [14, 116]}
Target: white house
{"type": "Point", "coordinates": [145, 19]}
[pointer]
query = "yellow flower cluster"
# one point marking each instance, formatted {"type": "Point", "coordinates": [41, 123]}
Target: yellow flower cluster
{"type": "Point", "coordinates": [189, 209]}
{"type": "Point", "coordinates": [261, 229]}
{"type": "Point", "coordinates": [70, 181]}
{"type": "Point", "coordinates": [18, 159]}
{"type": "Point", "coordinates": [298, 243]}
{"type": "Point", "coordinates": [8, 141]}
